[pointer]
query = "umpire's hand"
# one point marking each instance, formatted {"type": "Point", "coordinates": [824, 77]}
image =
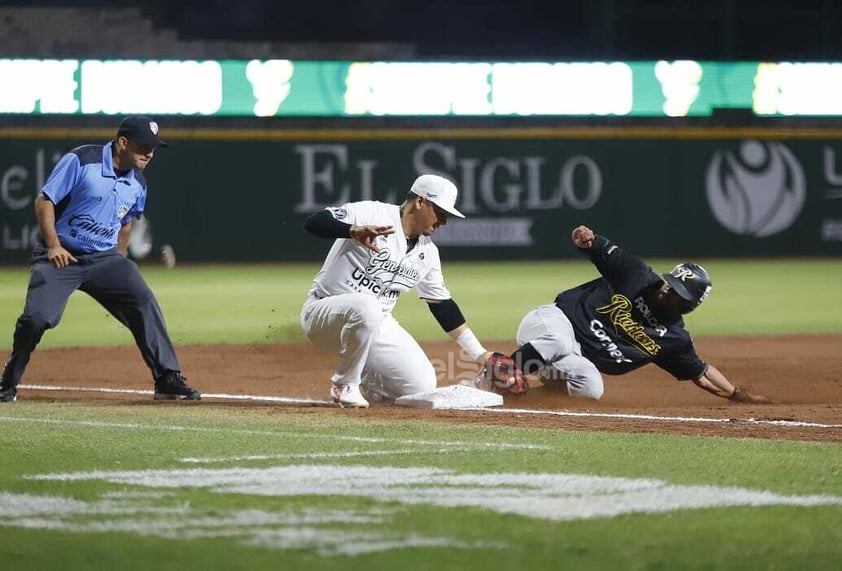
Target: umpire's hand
{"type": "Point", "coordinates": [59, 257]}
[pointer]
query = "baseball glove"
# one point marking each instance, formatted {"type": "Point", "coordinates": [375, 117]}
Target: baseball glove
{"type": "Point", "coordinates": [503, 375]}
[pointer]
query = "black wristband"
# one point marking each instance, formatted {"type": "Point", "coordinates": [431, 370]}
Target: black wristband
{"type": "Point", "coordinates": [528, 359]}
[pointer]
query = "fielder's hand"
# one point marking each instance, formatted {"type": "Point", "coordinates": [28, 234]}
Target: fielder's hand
{"type": "Point", "coordinates": [583, 237]}
{"type": "Point", "coordinates": [365, 235]}
{"type": "Point", "coordinates": [742, 395]}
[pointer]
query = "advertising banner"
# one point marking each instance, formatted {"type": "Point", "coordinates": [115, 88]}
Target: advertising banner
{"type": "Point", "coordinates": [236, 200]}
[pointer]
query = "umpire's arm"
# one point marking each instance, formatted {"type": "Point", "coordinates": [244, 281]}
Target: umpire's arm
{"type": "Point", "coordinates": [123, 237]}
{"type": "Point", "coordinates": [45, 214]}
{"type": "Point", "coordinates": [450, 317]}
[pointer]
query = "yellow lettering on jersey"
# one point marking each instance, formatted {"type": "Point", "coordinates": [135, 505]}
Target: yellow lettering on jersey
{"type": "Point", "coordinates": [619, 312]}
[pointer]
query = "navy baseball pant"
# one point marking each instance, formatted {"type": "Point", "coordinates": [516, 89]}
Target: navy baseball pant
{"type": "Point", "coordinates": [111, 279]}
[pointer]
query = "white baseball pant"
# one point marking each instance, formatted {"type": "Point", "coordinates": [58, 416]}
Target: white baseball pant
{"type": "Point", "coordinates": [550, 332]}
{"type": "Point", "coordinates": [374, 350]}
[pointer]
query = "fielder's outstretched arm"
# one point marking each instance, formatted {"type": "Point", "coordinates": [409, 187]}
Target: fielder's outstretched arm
{"type": "Point", "coordinates": [324, 225]}
{"type": "Point", "coordinates": [450, 317]}
{"type": "Point", "coordinates": [714, 382]}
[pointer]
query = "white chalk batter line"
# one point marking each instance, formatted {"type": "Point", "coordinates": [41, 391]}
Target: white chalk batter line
{"type": "Point", "coordinates": [283, 434]}
{"type": "Point", "coordinates": [791, 423]}
{"type": "Point", "coordinates": [296, 401]}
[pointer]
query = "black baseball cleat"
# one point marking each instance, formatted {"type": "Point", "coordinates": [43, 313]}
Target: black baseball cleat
{"type": "Point", "coordinates": [8, 394]}
{"type": "Point", "coordinates": [173, 386]}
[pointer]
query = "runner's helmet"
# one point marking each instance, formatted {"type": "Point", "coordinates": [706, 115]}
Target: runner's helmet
{"type": "Point", "coordinates": [691, 282]}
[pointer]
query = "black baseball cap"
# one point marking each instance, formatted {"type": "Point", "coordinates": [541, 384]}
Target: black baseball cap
{"type": "Point", "coordinates": [141, 129]}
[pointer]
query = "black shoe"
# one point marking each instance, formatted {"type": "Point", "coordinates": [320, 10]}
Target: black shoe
{"type": "Point", "coordinates": [173, 386]}
{"type": "Point", "coordinates": [8, 394]}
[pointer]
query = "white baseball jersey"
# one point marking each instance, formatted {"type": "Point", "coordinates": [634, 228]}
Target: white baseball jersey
{"type": "Point", "coordinates": [351, 267]}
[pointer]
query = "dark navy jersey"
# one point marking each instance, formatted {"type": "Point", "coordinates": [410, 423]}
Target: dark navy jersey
{"type": "Point", "coordinates": [92, 201]}
{"type": "Point", "coordinates": [613, 322]}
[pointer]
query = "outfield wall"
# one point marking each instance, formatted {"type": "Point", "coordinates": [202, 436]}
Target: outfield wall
{"type": "Point", "coordinates": [242, 195]}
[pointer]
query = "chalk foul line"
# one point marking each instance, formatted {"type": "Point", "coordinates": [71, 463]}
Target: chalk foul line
{"type": "Point", "coordinates": [687, 419]}
{"type": "Point", "coordinates": [562, 413]}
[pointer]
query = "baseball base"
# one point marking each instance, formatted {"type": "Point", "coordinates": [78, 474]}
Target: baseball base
{"type": "Point", "coordinates": [451, 397]}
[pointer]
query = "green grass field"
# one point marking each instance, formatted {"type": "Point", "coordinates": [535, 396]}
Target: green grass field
{"type": "Point", "coordinates": [174, 487]}
{"type": "Point", "coordinates": [132, 485]}
{"type": "Point", "coordinates": [260, 304]}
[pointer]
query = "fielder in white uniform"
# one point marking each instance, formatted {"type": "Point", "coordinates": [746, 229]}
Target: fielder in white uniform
{"type": "Point", "coordinates": [380, 251]}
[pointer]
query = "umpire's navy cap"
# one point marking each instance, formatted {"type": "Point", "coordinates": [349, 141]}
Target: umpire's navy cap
{"type": "Point", "coordinates": [141, 129]}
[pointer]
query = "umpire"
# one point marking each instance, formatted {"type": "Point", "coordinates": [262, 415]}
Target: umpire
{"type": "Point", "coordinates": [85, 213]}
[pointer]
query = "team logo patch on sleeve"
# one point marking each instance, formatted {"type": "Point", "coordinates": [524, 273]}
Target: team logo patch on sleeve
{"type": "Point", "coordinates": [122, 211]}
{"type": "Point", "coordinates": [339, 213]}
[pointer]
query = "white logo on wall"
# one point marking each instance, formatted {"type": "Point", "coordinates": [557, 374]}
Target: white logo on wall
{"type": "Point", "coordinates": [757, 191]}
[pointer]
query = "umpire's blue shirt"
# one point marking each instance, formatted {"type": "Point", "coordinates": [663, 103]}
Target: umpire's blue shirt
{"type": "Point", "coordinates": [92, 201]}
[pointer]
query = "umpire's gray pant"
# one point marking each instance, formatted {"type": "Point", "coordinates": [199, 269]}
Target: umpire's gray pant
{"type": "Point", "coordinates": [111, 279]}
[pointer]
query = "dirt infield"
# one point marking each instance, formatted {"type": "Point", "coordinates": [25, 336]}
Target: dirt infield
{"type": "Point", "coordinates": [802, 374]}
